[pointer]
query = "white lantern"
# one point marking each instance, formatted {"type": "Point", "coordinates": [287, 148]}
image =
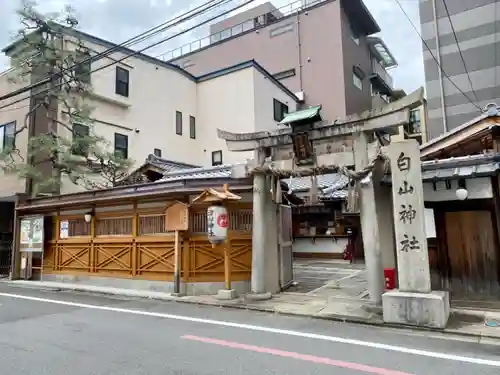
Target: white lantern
{"type": "Point", "coordinates": [217, 224]}
{"type": "Point", "coordinates": [88, 218]}
{"type": "Point", "coordinates": [462, 194]}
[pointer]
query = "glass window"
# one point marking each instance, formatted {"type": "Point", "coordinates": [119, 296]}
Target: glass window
{"type": "Point", "coordinates": [80, 146]}
{"type": "Point", "coordinates": [121, 146]}
{"type": "Point", "coordinates": [217, 157]}
{"type": "Point", "coordinates": [7, 136]}
{"type": "Point", "coordinates": [122, 81]}
{"type": "Point", "coordinates": [178, 123]}
{"type": "Point", "coordinates": [358, 82]}
{"type": "Point", "coordinates": [192, 127]}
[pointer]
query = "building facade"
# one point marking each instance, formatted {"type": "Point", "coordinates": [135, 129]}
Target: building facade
{"type": "Point", "coordinates": [322, 50]}
{"type": "Point", "coordinates": [474, 24]}
{"type": "Point", "coordinates": [144, 106]}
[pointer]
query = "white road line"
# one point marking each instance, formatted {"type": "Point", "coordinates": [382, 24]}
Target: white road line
{"type": "Point", "coordinates": [375, 345]}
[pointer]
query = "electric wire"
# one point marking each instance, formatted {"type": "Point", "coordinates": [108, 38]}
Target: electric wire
{"type": "Point", "coordinates": [460, 50]}
{"type": "Point", "coordinates": [134, 53]}
{"type": "Point", "coordinates": [134, 40]}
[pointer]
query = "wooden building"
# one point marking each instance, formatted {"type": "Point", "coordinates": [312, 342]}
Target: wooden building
{"type": "Point", "coordinates": [120, 237]}
{"type": "Point", "coordinates": [465, 250]}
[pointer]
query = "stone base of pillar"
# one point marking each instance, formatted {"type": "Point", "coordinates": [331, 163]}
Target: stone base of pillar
{"type": "Point", "coordinates": [227, 294]}
{"type": "Point", "coordinates": [418, 309]}
{"type": "Point", "coordinates": [258, 296]}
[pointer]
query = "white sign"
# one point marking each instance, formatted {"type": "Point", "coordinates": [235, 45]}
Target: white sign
{"type": "Point", "coordinates": [409, 219]}
{"type": "Point", "coordinates": [64, 230]}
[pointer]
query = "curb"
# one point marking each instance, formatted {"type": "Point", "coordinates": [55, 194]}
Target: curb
{"type": "Point", "coordinates": [337, 318]}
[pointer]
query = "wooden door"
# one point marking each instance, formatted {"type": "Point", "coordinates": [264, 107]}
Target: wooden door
{"type": "Point", "coordinates": [472, 254]}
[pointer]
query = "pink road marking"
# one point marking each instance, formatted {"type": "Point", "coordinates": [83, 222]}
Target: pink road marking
{"type": "Point", "coordinates": [302, 357]}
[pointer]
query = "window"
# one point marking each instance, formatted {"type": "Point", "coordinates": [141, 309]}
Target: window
{"type": "Point", "coordinates": [284, 74]}
{"type": "Point", "coordinates": [7, 136]}
{"type": "Point", "coordinates": [83, 67]}
{"type": "Point", "coordinates": [192, 127]}
{"type": "Point", "coordinates": [157, 152]}
{"type": "Point", "coordinates": [217, 158]}
{"type": "Point", "coordinates": [414, 123]}
{"type": "Point", "coordinates": [122, 81]}
{"type": "Point", "coordinates": [357, 80]}
{"type": "Point", "coordinates": [121, 146]}
{"type": "Point", "coordinates": [224, 34]}
{"type": "Point", "coordinates": [281, 30]}
{"type": "Point", "coordinates": [280, 110]}
{"type": "Point", "coordinates": [178, 123]}
{"type": "Point", "coordinates": [80, 147]}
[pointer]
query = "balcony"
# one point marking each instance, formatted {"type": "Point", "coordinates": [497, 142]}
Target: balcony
{"type": "Point", "coordinates": [254, 23]}
{"type": "Point", "coordinates": [380, 80]}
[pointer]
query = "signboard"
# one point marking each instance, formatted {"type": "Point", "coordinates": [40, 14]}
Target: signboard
{"type": "Point", "coordinates": [409, 217]}
{"type": "Point", "coordinates": [31, 234]}
{"type": "Point", "coordinates": [64, 229]}
{"type": "Point", "coordinates": [176, 217]}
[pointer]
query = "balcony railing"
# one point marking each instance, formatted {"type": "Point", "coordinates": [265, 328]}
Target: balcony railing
{"type": "Point", "coordinates": [380, 70]}
{"type": "Point", "coordinates": [251, 24]}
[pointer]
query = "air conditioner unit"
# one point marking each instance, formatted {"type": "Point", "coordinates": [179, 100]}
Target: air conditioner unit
{"type": "Point", "coordinates": [300, 95]}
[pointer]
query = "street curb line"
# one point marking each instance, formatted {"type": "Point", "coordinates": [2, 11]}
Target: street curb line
{"type": "Point", "coordinates": [337, 318]}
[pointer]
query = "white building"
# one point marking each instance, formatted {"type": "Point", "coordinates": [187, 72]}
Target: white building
{"type": "Point", "coordinates": [147, 106]}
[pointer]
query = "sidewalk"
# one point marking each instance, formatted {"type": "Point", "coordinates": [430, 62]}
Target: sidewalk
{"type": "Point", "coordinates": [462, 322]}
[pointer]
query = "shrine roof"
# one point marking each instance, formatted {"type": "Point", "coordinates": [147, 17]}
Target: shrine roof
{"type": "Point", "coordinates": [304, 114]}
{"type": "Point", "coordinates": [330, 182]}
{"type": "Point", "coordinates": [454, 168]}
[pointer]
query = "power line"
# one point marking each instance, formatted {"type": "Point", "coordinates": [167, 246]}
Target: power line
{"type": "Point", "coordinates": [434, 57]}
{"type": "Point", "coordinates": [139, 51]}
{"type": "Point", "coordinates": [134, 40]}
{"type": "Point", "coordinates": [460, 50]}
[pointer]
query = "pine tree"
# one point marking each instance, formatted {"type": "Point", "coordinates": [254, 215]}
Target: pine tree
{"type": "Point", "coordinates": [70, 147]}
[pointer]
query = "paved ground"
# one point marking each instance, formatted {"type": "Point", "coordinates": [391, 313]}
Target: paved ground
{"type": "Point", "coordinates": [56, 333]}
{"type": "Point", "coordinates": [329, 279]}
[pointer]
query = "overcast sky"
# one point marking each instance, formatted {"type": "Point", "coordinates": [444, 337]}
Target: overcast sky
{"type": "Point", "coordinates": [119, 20]}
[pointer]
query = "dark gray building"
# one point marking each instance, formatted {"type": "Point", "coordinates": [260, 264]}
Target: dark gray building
{"type": "Point", "coordinates": [477, 27]}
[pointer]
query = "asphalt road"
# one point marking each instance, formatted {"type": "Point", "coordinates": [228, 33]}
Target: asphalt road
{"type": "Point", "coordinates": [60, 333]}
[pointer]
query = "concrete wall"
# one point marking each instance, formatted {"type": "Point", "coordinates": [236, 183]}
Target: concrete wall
{"type": "Point", "coordinates": [476, 23]}
{"type": "Point", "coordinates": [355, 54]}
{"type": "Point", "coordinates": [12, 184]}
{"type": "Point", "coordinates": [321, 245]}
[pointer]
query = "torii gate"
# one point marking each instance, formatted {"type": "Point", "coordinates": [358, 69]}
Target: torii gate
{"type": "Point", "coordinates": [311, 148]}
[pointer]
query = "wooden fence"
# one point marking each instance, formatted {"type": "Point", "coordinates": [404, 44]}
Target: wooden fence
{"type": "Point", "coordinates": [136, 245]}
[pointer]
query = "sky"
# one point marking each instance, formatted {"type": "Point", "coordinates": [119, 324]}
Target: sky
{"type": "Point", "coordinates": [119, 20]}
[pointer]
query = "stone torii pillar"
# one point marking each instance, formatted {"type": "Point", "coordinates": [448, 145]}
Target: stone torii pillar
{"type": "Point", "coordinates": [414, 303]}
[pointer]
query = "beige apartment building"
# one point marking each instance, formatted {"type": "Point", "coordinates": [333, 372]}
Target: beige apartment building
{"type": "Point", "coordinates": [147, 106]}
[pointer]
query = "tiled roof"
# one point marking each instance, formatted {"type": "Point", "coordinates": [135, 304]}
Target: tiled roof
{"type": "Point", "coordinates": [335, 194]}
{"type": "Point", "coordinates": [332, 181]}
{"type": "Point", "coordinates": [200, 173]}
{"type": "Point", "coordinates": [453, 168]}
{"type": "Point", "coordinates": [167, 165]}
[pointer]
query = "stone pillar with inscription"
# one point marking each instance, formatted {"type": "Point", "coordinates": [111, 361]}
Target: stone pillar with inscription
{"type": "Point", "coordinates": [413, 303]}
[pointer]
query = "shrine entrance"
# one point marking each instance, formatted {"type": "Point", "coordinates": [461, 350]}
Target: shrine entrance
{"type": "Point", "coordinates": [310, 148]}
